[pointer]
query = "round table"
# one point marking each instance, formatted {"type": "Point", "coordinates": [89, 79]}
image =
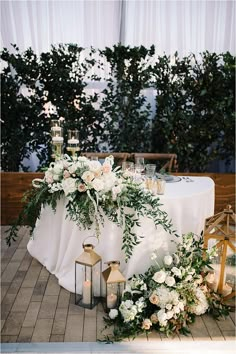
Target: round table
{"type": "Point", "coordinates": [57, 241]}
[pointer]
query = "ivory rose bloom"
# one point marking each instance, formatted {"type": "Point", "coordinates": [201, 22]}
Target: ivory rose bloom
{"type": "Point", "coordinates": [69, 185]}
{"type": "Point", "coordinates": [146, 324]}
{"type": "Point", "coordinates": [49, 177]}
{"type": "Point", "coordinates": [159, 277]}
{"type": "Point", "coordinates": [168, 260]}
{"type": "Point", "coordinates": [154, 299]}
{"type": "Point", "coordinates": [170, 281]}
{"type": "Point", "coordinates": [106, 167]}
{"type": "Point", "coordinates": [176, 271]}
{"type": "Point", "coordinates": [97, 184]}
{"type": "Point", "coordinates": [87, 176]}
{"type": "Point", "coordinates": [113, 313]}
{"type": "Point", "coordinates": [154, 318]}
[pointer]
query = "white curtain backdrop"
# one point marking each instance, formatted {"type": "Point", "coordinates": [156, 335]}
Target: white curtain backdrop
{"type": "Point", "coordinates": [171, 25]}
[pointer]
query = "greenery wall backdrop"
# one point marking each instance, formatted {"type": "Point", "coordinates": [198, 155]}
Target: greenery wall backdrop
{"type": "Point", "coordinates": [194, 115]}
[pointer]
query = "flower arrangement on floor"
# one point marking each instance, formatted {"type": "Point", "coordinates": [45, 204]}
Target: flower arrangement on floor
{"type": "Point", "coordinates": [92, 190]}
{"type": "Point", "coordinates": [169, 296]}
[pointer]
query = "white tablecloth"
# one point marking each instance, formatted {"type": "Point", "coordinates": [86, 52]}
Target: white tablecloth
{"type": "Point", "coordinates": [57, 241]}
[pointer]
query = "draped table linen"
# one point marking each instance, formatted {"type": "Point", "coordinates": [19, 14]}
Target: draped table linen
{"type": "Point", "coordinates": [57, 241]}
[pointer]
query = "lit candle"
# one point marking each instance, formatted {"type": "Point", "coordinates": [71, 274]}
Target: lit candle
{"type": "Point", "coordinates": [161, 186]}
{"type": "Point", "coordinates": [212, 281]}
{"type": "Point", "coordinates": [87, 292]}
{"type": "Point", "coordinates": [111, 301]}
{"type": "Point", "coordinates": [226, 290]}
{"type": "Point", "coordinates": [73, 141]}
{"type": "Point", "coordinates": [57, 139]}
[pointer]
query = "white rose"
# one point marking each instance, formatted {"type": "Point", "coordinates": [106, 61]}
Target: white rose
{"type": "Point", "coordinates": [176, 271]}
{"type": "Point", "coordinates": [48, 177]}
{"type": "Point", "coordinates": [170, 281]}
{"type": "Point", "coordinates": [109, 181]}
{"type": "Point", "coordinates": [72, 168]}
{"type": "Point", "coordinates": [95, 166]}
{"type": "Point", "coordinates": [58, 168]}
{"type": "Point", "coordinates": [189, 277]}
{"type": "Point", "coordinates": [168, 306]}
{"type": "Point", "coordinates": [87, 176]}
{"type": "Point", "coordinates": [113, 313]}
{"type": "Point", "coordinates": [169, 314]}
{"type": "Point", "coordinates": [97, 184]}
{"type": "Point", "coordinates": [159, 277]}
{"type": "Point", "coordinates": [176, 309]}
{"type": "Point", "coordinates": [69, 185]}
{"type": "Point", "coordinates": [162, 317]}
{"type": "Point", "coordinates": [168, 260]}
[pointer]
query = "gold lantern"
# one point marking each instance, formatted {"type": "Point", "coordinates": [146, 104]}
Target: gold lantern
{"type": "Point", "coordinates": [88, 269]}
{"type": "Point", "coordinates": [57, 138]}
{"type": "Point", "coordinates": [115, 283]}
{"type": "Point", "coordinates": [73, 142]}
{"type": "Point", "coordinates": [220, 232]}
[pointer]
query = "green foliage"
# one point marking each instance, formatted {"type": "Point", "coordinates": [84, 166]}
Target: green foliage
{"type": "Point", "coordinates": [195, 109]}
{"type": "Point", "coordinates": [90, 197]}
{"type": "Point", "coordinates": [169, 296]}
{"type": "Point", "coordinates": [23, 128]}
{"type": "Point", "coordinates": [125, 108]}
{"type": "Point", "coordinates": [195, 103]}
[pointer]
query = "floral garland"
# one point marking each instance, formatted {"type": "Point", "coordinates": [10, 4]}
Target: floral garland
{"type": "Point", "coordinates": [167, 298]}
{"type": "Point", "coordinates": [93, 190]}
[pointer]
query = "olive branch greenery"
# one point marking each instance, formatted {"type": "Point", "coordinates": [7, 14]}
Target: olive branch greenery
{"type": "Point", "coordinates": [126, 210]}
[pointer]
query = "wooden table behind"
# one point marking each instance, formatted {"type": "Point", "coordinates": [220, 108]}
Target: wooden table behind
{"type": "Point", "coordinates": [15, 184]}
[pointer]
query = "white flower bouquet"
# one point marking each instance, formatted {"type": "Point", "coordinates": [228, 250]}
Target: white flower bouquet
{"type": "Point", "coordinates": [92, 190]}
{"type": "Point", "coordinates": [169, 296]}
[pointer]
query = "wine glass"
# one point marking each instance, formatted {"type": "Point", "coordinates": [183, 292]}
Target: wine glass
{"type": "Point", "coordinates": [127, 166]}
{"type": "Point", "coordinates": [139, 161]}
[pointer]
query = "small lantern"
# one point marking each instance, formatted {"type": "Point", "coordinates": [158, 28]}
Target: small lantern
{"type": "Point", "coordinates": [88, 283]}
{"type": "Point", "coordinates": [57, 138]}
{"type": "Point", "coordinates": [115, 283]}
{"type": "Point", "coordinates": [73, 141]}
{"type": "Point", "coordinates": [220, 231]}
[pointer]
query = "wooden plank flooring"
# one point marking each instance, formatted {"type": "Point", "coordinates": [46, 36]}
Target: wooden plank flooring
{"type": "Point", "coordinates": [36, 309]}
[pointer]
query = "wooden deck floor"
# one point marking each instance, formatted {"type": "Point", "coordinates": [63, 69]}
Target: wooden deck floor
{"type": "Point", "coordinates": [34, 308]}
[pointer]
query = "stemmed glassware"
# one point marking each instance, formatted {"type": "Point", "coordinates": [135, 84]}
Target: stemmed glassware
{"type": "Point", "coordinates": [150, 170]}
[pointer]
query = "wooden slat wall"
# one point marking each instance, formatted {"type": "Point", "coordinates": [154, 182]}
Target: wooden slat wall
{"type": "Point", "coordinates": [14, 184]}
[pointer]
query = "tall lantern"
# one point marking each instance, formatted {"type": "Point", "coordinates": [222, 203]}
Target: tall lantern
{"type": "Point", "coordinates": [88, 269]}
{"type": "Point", "coordinates": [115, 283]}
{"type": "Point", "coordinates": [220, 232]}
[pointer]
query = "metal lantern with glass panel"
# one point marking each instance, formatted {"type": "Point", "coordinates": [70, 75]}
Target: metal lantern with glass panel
{"type": "Point", "coordinates": [57, 138]}
{"type": "Point", "coordinates": [115, 283]}
{"type": "Point", "coordinates": [73, 142]}
{"type": "Point", "coordinates": [88, 269]}
{"type": "Point", "coordinates": [220, 232]}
